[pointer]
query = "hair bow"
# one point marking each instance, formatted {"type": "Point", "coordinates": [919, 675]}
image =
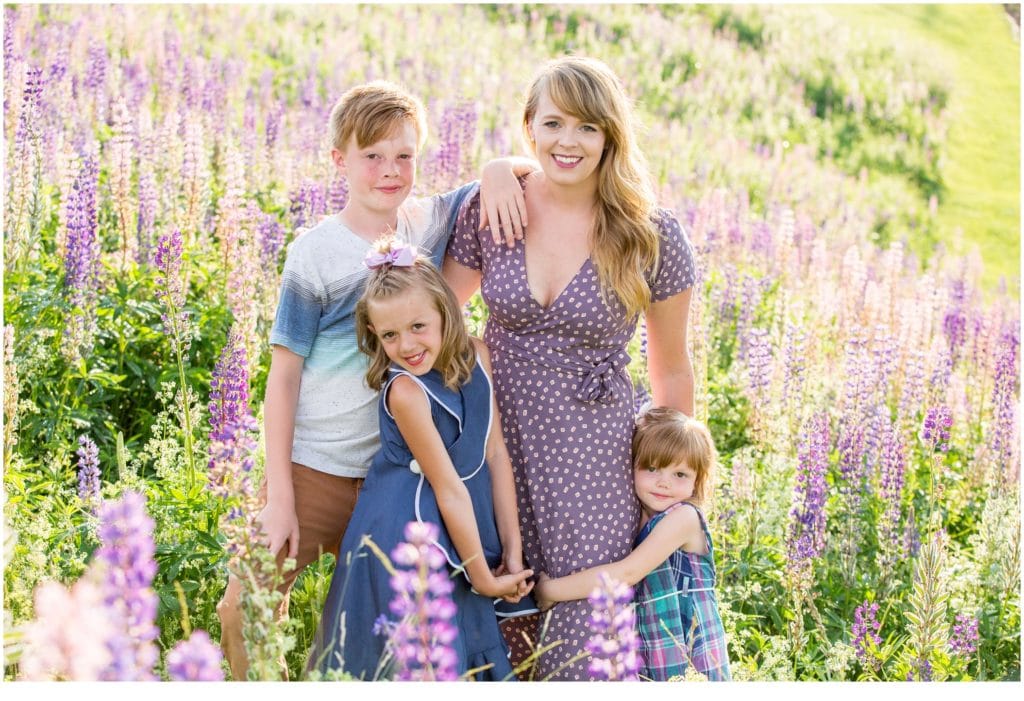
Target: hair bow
{"type": "Point", "coordinates": [400, 254]}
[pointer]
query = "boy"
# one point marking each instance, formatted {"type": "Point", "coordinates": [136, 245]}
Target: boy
{"type": "Point", "coordinates": [320, 419]}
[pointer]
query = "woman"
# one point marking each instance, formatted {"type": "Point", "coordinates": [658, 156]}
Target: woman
{"type": "Point", "coordinates": [564, 303]}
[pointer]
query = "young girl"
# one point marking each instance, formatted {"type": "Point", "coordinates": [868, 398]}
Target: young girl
{"type": "Point", "coordinates": [673, 559]}
{"type": "Point", "coordinates": [442, 460]}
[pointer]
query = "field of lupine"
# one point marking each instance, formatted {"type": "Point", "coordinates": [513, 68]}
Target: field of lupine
{"type": "Point", "coordinates": [861, 386]}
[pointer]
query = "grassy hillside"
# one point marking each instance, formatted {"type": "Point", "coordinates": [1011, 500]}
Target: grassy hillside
{"type": "Point", "coordinates": [981, 171]}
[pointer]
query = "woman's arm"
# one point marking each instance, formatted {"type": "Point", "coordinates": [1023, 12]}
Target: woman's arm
{"type": "Point", "coordinates": [503, 488]}
{"type": "Point", "coordinates": [463, 281]}
{"type": "Point", "coordinates": [411, 409]}
{"type": "Point", "coordinates": [501, 197]}
{"type": "Point", "coordinates": [667, 537]}
{"type": "Point", "coordinates": [668, 358]}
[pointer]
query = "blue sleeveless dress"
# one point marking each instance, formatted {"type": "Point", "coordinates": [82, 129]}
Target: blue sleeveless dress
{"type": "Point", "coordinates": [394, 493]}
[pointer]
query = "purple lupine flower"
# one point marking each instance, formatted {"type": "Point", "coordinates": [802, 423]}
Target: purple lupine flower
{"type": "Point", "coordinates": [271, 238]}
{"type": "Point", "coordinates": [954, 323]}
{"type": "Point", "coordinates": [865, 632]}
{"type": "Point", "coordinates": [96, 66]}
{"type": "Point", "coordinates": [963, 640]}
{"type": "Point", "coordinates": [935, 429]}
{"type": "Point", "coordinates": [807, 529]}
{"type": "Point", "coordinates": [724, 295]}
{"type": "Point", "coordinates": [793, 362]}
{"type": "Point", "coordinates": [455, 137]}
{"type": "Point", "coordinates": [614, 641]}
{"type": "Point", "coordinates": [421, 640]}
{"type": "Point", "coordinates": [641, 397]}
{"type": "Point", "coordinates": [750, 299]}
{"type": "Point", "coordinates": [308, 203]}
{"type": "Point", "coordinates": [28, 119]}
{"type": "Point", "coordinates": [759, 361]}
{"type": "Point", "coordinates": [88, 470]}
{"type": "Point", "coordinates": [231, 458]}
{"type": "Point", "coordinates": [81, 258]}
{"type": "Point", "coordinates": [892, 477]}
{"type": "Point", "coordinates": [126, 551]}
{"type": "Point", "coordinates": [337, 194]}
{"type": "Point", "coordinates": [167, 261]}
{"type": "Point", "coordinates": [229, 386]}
{"type": "Point", "coordinates": [850, 445]}
{"type": "Point", "coordinates": [1003, 440]}
{"type": "Point", "coordinates": [195, 660]}
{"type": "Point", "coordinates": [912, 392]}
{"type": "Point", "coordinates": [148, 202]}
{"type": "Point", "coordinates": [272, 127]}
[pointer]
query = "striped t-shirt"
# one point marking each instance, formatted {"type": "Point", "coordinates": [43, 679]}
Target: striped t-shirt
{"type": "Point", "coordinates": [324, 276]}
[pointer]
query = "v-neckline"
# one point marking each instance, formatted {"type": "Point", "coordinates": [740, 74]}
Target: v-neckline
{"type": "Point", "coordinates": [557, 297]}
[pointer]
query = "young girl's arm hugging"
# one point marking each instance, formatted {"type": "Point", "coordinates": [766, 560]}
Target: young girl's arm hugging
{"type": "Point", "coordinates": [280, 524]}
{"type": "Point", "coordinates": [503, 488]}
{"type": "Point", "coordinates": [411, 410]}
{"type": "Point", "coordinates": [679, 529]}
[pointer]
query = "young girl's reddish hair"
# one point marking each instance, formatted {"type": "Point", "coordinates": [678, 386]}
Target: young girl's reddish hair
{"type": "Point", "coordinates": [665, 437]}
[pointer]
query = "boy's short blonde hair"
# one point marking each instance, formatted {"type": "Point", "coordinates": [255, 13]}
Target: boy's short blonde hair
{"type": "Point", "coordinates": [665, 437]}
{"type": "Point", "coordinates": [372, 112]}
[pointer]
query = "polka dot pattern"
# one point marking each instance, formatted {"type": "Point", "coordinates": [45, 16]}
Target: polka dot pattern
{"type": "Point", "coordinates": [570, 455]}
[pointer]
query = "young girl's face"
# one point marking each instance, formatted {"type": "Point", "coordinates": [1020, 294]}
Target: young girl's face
{"type": "Point", "coordinates": [408, 326]}
{"type": "Point", "coordinates": [660, 488]}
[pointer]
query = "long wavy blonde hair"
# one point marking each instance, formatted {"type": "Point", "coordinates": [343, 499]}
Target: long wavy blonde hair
{"type": "Point", "coordinates": [455, 358]}
{"type": "Point", "coordinates": [625, 239]}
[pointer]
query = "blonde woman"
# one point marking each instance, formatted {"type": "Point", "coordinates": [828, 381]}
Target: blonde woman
{"type": "Point", "coordinates": [564, 303]}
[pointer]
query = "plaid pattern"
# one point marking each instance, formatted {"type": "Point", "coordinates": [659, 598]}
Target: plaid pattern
{"type": "Point", "coordinates": [677, 614]}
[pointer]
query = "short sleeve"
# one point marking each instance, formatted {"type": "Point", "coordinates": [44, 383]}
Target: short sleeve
{"type": "Point", "coordinates": [464, 246]}
{"type": "Point", "coordinates": [299, 306]}
{"type": "Point", "coordinates": [446, 207]}
{"type": "Point", "coordinates": [677, 269]}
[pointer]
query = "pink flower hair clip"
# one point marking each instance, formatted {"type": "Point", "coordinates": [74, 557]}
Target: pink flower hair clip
{"type": "Point", "coordinates": [402, 255]}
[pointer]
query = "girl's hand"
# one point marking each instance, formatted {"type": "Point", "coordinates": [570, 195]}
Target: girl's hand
{"type": "Point", "coordinates": [505, 586]}
{"type": "Point", "coordinates": [501, 202]}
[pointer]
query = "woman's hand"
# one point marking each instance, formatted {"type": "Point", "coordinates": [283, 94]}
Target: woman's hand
{"type": "Point", "coordinates": [501, 200]}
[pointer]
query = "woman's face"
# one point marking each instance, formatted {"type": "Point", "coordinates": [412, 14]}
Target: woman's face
{"type": "Point", "coordinates": [569, 150]}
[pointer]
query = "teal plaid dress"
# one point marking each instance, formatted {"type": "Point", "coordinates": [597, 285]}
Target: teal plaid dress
{"type": "Point", "coordinates": [677, 613]}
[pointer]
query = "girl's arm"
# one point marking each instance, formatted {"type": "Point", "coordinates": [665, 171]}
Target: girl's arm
{"type": "Point", "coordinates": [503, 488]}
{"type": "Point", "coordinates": [668, 358]}
{"type": "Point", "coordinates": [501, 197]}
{"type": "Point", "coordinates": [278, 519]}
{"type": "Point", "coordinates": [411, 409]}
{"type": "Point", "coordinates": [668, 536]}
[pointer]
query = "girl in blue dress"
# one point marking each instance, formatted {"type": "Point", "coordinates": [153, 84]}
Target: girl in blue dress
{"type": "Point", "coordinates": [442, 460]}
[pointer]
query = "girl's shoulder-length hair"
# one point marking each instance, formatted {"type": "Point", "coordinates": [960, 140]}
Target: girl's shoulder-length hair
{"type": "Point", "coordinates": [665, 437]}
{"type": "Point", "coordinates": [456, 356]}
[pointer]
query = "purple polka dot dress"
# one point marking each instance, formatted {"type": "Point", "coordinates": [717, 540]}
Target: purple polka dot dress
{"type": "Point", "coordinates": [566, 405]}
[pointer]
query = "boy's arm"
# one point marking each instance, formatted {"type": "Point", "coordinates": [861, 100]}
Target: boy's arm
{"type": "Point", "coordinates": [503, 488]}
{"type": "Point", "coordinates": [278, 518]}
{"type": "Point", "coordinates": [674, 530]}
{"type": "Point", "coordinates": [501, 197]}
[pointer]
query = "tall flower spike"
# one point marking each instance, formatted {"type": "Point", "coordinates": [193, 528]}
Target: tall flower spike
{"type": "Point", "coordinates": [88, 471]}
{"type": "Point", "coordinates": [420, 642]}
{"type": "Point", "coordinates": [127, 553]}
{"type": "Point", "coordinates": [614, 641]}
{"type": "Point", "coordinates": [229, 386]}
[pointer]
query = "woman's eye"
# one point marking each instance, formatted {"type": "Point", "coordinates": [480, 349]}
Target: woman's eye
{"type": "Point", "coordinates": [589, 127]}
{"type": "Point", "coordinates": [418, 327]}
{"type": "Point", "coordinates": [551, 124]}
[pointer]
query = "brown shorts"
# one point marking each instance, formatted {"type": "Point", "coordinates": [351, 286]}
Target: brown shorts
{"type": "Point", "coordinates": [323, 507]}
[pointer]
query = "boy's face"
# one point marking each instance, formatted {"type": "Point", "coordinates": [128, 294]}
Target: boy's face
{"type": "Point", "coordinates": [380, 176]}
{"type": "Point", "coordinates": [659, 488]}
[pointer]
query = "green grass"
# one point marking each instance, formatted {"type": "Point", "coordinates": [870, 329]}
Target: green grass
{"type": "Point", "coordinates": [977, 44]}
